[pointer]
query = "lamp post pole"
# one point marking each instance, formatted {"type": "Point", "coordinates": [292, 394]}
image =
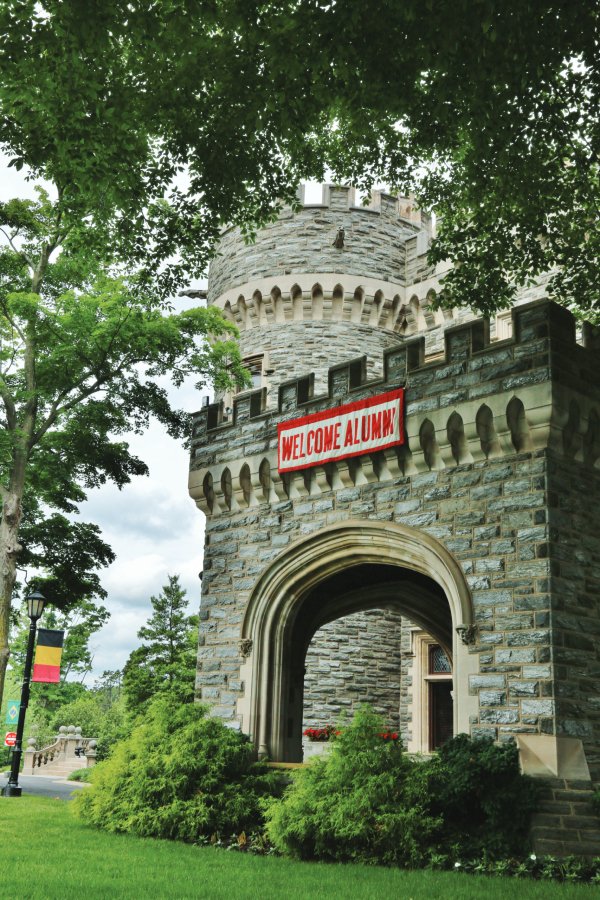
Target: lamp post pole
{"type": "Point", "coordinates": [35, 608]}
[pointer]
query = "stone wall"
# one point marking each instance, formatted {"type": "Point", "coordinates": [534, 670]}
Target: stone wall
{"type": "Point", "coordinates": [406, 681]}
{"type": "Point", "coordinates": [316, 347]}
{"type": "Point", "coordinates": [354, 660]}
{"type": "Point", "coordinates": [484, 433]}
{"type": "Point", "coordinates": [574, 552]}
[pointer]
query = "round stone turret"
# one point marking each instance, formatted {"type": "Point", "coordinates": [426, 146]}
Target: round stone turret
{"type": "Point", "coordinates": [323, 284]}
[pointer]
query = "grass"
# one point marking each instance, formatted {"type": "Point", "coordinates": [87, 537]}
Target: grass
{"type": "Point", "coordinates": [46, 854]}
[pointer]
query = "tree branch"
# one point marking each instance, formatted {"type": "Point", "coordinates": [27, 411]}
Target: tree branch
{"type": "Point", "coordinates": [10, 238]}
{"type": "Point", "coordinates": [11, 321]}
{"type": "Point", "coordinates": [9, 405]}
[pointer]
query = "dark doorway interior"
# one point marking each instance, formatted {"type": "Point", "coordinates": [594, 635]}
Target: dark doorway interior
{"type": "Point", "coordinates": [440, 713]}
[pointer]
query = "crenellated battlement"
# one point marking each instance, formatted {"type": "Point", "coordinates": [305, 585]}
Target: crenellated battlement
{"type": "Point", "coordinates": [491, 497]}
{"type": "Point", "coordinates": [343, 197]}
{"type": "Point", "coordinates": [385, 241]}
{"type": "Point", "coordinates": [478, 400]}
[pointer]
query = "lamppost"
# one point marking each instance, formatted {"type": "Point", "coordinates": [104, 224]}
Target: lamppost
{"type": "Point", "coordinates": [35, 608]}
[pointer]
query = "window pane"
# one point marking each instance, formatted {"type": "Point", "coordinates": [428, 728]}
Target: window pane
{"type": "Point", "coordinates": [439, 664]}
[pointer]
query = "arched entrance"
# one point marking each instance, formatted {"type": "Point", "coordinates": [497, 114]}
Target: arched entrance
{"type": "Point", "coordinates": [336, 571]}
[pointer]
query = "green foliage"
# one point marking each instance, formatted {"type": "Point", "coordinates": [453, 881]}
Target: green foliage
{"type": "Point", "coordinates": [476, 788]}
{"type": "Point", "coordinates": [79, 623]}
{"type": "Point", "coordinates": [369, 801]}
{"type": "Point", "coordinates": [44, 702]}
{"type": "Point", "coordinates": [351, 805]}
{"type": "Point", "coordinates": [99, 711]}
{"type": "Point", "coordinates": [81, 351]}
{"type": "Point", "coordinates": [44, 716]}
{"type": "Point", "coordinates": [166, 660]}
{"type": "Point", "coordinates": [487, 110]}
{"type": "Point", "coordinates": [179, 775]}
{"type": "Point", "coordinates": [81, 775]}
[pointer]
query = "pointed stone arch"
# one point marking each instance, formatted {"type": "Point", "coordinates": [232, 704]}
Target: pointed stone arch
{"type": "Point", "coordinates": [419, 577]}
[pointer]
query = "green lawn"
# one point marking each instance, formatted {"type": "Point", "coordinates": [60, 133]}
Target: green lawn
{"type": "Point", "coordinates": [45, 853]}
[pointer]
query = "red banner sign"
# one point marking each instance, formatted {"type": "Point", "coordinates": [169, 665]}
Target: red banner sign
{"type": "Point", "coordinates": [351, 430]}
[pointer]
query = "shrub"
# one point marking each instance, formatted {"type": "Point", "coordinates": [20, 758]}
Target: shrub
{"type": "Point", "coordinates": [350, 805]}
{"type": "Point", "coordinates": [476, 787]}
{"type": "Point", "coordinates": [369, 801]}
{"type": "Point", "coordinates": [179, 775]}
{"type": "Point", "coordinates": [80, 775]}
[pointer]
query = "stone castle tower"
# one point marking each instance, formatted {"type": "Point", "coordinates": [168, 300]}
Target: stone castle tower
{"type": "Point", "coordinates": [450, 579]}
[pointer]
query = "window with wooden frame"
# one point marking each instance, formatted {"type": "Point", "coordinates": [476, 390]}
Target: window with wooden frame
{"type": "Point", "coordinates": [430, 704]}
{"type": "Point", "coordinates": [254, 364]}
{"type": "Point", "coordinates": [439, 681]}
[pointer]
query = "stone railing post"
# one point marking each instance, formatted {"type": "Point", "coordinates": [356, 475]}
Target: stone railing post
{"type": "Point", "coordinates": [28, 756]}
{"type": "Point", "coordinates": [72, 740]}
{"type": "Point", "coordinates": [90, 754]}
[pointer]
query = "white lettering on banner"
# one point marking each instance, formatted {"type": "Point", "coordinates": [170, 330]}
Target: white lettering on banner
{"type": "Point", "coordinates": [351, 430]}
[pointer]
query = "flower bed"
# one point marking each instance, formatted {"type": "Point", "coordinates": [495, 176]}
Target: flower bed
{"type": "Point", "coordinates": [320, 735]}
{"type": "Point", "coordinates": [328, 732]}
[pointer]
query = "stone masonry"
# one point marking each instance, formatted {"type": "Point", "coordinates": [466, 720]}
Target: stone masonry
{"type": "Point", "coordinates": [499, 469]}
{"type": "Point", "coordinates": [354, 660]}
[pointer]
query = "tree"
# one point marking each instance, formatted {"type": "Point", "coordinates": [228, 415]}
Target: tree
{"type": "Point", "coordinates": [80, 622]}
{"type": "Point", "coordinates": [80, 354]}
{"type": "Point", "coordinates": [107, 724]}
{"type": "Point", "coordinates": [487, 111]}
{"type": "Point", "coordinates": [80, 344]}
{"type": "Point", "coordinates": [166, 660]}
{"type": "Point", "coordinates": [108, 688]}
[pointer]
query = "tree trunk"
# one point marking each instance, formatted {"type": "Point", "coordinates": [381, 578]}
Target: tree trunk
{"type": "Point", "coordinates": [9, 548]}
{"type": "Point", "coordinates": [23, 429]}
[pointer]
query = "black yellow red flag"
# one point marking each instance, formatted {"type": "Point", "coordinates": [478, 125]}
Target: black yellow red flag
{"type": "Point", "coordinates": [46, 665]}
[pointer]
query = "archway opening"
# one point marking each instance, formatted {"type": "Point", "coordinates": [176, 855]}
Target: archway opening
{"type": "Point", "coordinates": [360, 612]}
{"type": "Point", "coordinates": [336, 572]}
{"type": "Point", "coordinates": [381, 658]}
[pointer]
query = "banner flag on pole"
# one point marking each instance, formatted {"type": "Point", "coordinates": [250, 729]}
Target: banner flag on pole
{"type": "Point", "coordinates": [12, 712]}
{"type": "Point", "coordinates": [46, 665]}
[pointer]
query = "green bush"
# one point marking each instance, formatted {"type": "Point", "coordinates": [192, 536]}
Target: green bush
{"type": "Point", "coordinates": [483, 800]}
{"type": "Point", "coordinates": [179, 775]}
{"type": "Point", "coordinates": [369, 801]}
{"type": "Point", "coordinates": [80, 775]}
{"type": "Point", "coordinates": [350, 805]}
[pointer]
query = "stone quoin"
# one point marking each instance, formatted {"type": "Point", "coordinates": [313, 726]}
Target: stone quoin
{"type": "Point", "coordinates": [450, 578]}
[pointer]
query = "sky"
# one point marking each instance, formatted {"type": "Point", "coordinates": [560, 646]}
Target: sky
{"type": "Point", "coordinates": [151, 524]}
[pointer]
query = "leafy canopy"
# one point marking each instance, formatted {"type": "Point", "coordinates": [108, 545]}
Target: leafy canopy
{"type": "Point", "coordinates": [487, 110]}
{"type": "Point", "coordinates": [83, 349]}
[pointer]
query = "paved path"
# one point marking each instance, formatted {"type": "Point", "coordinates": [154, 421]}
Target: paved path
{"type": "Point", "coordinates": [42, 786]}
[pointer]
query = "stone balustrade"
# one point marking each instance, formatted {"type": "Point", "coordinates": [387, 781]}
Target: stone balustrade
{"type": "Point", "coordinates": [69, 751]}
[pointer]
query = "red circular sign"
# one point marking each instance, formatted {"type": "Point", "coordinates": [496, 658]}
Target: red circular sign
{"type": "Point", "coordinates": [11, 739]}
